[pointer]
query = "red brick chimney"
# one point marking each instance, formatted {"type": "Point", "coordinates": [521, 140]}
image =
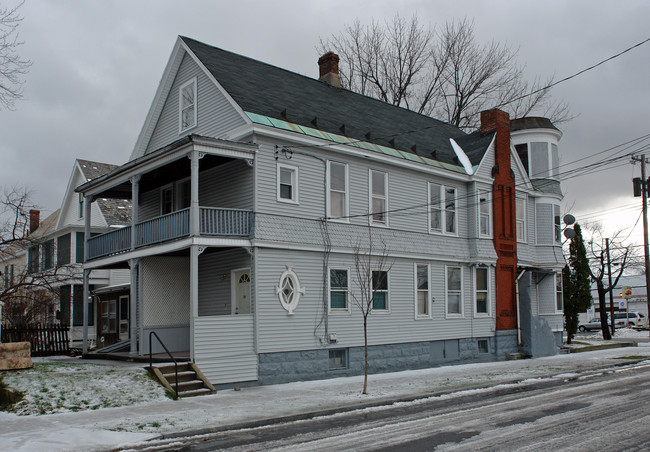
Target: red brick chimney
{"type": "Point", "coordinates": [328, 69]}
{"type": "Point", "coordinates": [34, 220]}
{"type": "Point", "coordinates": [503, 207]}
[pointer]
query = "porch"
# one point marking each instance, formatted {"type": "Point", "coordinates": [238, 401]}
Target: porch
{"type": "Point", "coordinates": [213, 222]}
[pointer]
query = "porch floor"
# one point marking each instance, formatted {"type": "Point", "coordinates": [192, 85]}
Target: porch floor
{"type": "Point", "coordinates": [182, 356]}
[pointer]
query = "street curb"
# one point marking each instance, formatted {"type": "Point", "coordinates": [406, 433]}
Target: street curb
{"type": "Point", "coordinates": [591, 348]}
{"type": "Point", "coordinates": [361, 406]}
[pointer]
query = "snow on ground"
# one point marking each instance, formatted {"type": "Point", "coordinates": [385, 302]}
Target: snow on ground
{"type": "Point", "coordinates": [148, 413]}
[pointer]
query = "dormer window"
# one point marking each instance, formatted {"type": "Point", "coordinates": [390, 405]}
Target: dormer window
{"type": "Point", "coordinates": [187, 105]}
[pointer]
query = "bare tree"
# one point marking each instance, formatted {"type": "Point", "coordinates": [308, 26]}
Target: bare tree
{"type": "Point", "coordinates": [445, 74]}
{"type": "Point", "coordinates": [12, 66]}
{"type": "Point", "coordinates": [371, 267]}
{"type": "Point", "coordinates": [603, 253]}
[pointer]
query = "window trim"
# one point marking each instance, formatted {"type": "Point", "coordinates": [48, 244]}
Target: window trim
{"type": "Point", "coordinates": [347, 309]}
{"type": "Point", "coordinates": [557, 224]}
{"type": "Point", "coordinates": [487, 291]}
{"type": "Point", "coordinates": [558, 279]}
{"type": "Point", "coordinates": [192, 81]}
{"type": "Point", "coordinates": [523, 239]}
{"type": "Point", "coordinates": [371, 197]}
{"type": "Point", "coordinates": [177, 193]}
{"type": "Point", "coordinates": [294, 183]}
{"type": "Point", "coordinates": [442, 208]}
{"type": "Point", "coordinates": [162, 198]}
{"type": "Point", "coordinates": [387, 291]}
{"type": "Point", "coordinates": [480, 214]}
{"type": "Point", "coordinates": [417, 291]}
{"type": "Point", "coordinates": [346, 364]}
{"type": "Point", "coordinates": [346, 214]}
{"type": "Point", "coordinates": [454, 315]}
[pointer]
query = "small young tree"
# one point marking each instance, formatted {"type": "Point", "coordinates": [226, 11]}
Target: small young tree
{"type": "Point", "coordinates": [576, 282]}
{"type": "Point", "coordinates": [602, 254]}
{"type": "Point", "coordinates": [371, 268]}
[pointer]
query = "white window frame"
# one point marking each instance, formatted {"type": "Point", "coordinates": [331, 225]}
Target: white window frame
{"type": "Point", "coordinates": [488, 201]}
{"type": "Point", "coordinates": [294, 183]}
{"type": "Point", "coordinates": [331, 310]}
{"type": "Point", "coordinates": [558, 279]}
{"type": "Point", "coordinates": [346, 212]}
{"type": "Point", "coordinates": [442, 208]}
{"type": "Point", "coordinates": [372, 196]}
{"type": "Point", "coordinates": [387, 292]}
{"type": "Point", "coordinates": [193, 82]}
{"type": "Point", "coordinates": [487, 291]}
{"type": "Point", "coordinates": [417, 291]}
{"type": "Point", "coordinates": [521, 221]}
{"type": "Point", "coordinates": [178, 194]}
{"type": "Point", "coordinates": [447, 292]}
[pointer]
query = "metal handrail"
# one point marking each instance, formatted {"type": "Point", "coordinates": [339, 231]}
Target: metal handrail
{"type": "Point", "coordinates": [153, 333]}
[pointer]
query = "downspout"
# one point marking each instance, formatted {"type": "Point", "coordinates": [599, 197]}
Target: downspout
{"type": "Point", "coordinates": [517, 300]}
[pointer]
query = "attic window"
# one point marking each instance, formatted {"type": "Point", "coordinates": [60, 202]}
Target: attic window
{"type": "Point", "coordinates": [187, 105]}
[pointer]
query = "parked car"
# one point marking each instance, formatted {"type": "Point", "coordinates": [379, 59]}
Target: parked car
{"type": "Point", "coordinates": [592, 325]}
{"type": "Point", "coordinates": [630, 319]}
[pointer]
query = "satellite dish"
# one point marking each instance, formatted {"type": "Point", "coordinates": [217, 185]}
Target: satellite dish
{"type": "Point", "coordinates": [569, 233]}
{"type": "Point", "coordinates": [569, 219]}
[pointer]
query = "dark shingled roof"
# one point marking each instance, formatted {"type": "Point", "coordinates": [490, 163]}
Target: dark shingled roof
{"type": "Point", "coordinates": [117, 212]}
{"type": "Point", "coordinates": [268, 90]}
{"type": "Point", "coordinates": [532, 122]}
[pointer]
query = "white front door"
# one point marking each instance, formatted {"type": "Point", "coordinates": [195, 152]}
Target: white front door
{"type": "Point", "coordinates": [242, 291]}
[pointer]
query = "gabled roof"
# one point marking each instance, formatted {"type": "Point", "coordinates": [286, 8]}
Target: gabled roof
{"type": "Point", "coordinates": [117, 212]}
{"type": "Point", "coordinates": [273, 92]}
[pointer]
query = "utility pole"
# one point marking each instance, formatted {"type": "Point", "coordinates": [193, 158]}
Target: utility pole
{"type": "Point", "coordinates": [644, 203]}
{"type": "Point", "coordinates": [611, 289]}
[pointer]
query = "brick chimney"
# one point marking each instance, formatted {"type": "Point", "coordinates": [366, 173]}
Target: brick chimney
{"type": "Point", "coordinates": [34, 220]}
{"type": "Point", "coordinates": [504, 213]}
{"type": "Point", "coordinates": [328, 69]}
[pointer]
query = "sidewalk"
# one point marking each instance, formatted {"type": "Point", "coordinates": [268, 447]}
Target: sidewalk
{"type": "Point", "coordinates": [114, 427]}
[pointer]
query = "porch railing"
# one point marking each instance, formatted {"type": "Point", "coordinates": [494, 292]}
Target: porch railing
{"type": "Point", "coordinates": [110, 243]}
{"type": "Point", "coordinates": [160, 229]}
{"type": "Point", "coordinates": [213, 221]}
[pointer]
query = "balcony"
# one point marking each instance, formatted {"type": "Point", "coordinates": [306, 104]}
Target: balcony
{"type": "Point", "coordinates": [213, 222]}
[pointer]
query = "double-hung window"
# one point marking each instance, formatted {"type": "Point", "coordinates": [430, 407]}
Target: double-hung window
{"type": "Point", "coordinates": [167, 200]}
{"type": "Point", "coordinates": [520, 204]}
{"type": "Point", "coordinates": [287, 177]}
{"type": "Point", "coordinates": [484, 213]}
{"type": "Point", "coordinates": [339, 287]}
{"type": "Point", "coordinates": [338, 190]}
{"type": "Point", "coordinates": [482, 294]}
{"type": "Point", "coordinates": [454, 293]}
{"type": "Point", "coordinates": [559, 295]}
{"type": "Point", "coordinates": [378, 197]}
{"type": "Point", "coordinates": [442, 210]}
{"type": "Point", "coordinates": [380, 290]}
{"type": "Point", "coordinates": [47, 261]}
{"type": "Point", "coordinates": [557, 225]}
{"type": "Point", "coordinates": [187, 105]}
{"type": "Point", "coordinates": [422, 290]}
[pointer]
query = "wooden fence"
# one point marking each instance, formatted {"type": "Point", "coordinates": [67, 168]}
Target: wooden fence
{"type": "Point", "coordinates": [46, 340]}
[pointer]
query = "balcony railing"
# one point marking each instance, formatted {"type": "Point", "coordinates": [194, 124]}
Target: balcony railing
{"type": "Point", "coordinates": [212, 222]}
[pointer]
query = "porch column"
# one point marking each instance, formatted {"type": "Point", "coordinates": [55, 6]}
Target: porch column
{"type": "Point", "coordinates": [86, 273]}
{"type": "Point", "coordinates": [135, 194]}
{"type": "Point", "coordinates": [195, 251]}
{"type": "Point", "coordinates": [133, 306]}
{"type": "Point", "coordinates": [195, 229]}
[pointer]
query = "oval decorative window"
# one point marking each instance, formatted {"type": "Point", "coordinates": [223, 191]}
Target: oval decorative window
{"type": "Point", "coordinates": [289, 290]}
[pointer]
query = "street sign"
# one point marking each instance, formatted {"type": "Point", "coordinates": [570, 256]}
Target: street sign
{"type": "Point", "coordinates": [627, 291]}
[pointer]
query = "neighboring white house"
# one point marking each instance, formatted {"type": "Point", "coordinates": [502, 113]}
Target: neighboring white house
{"type": "Point", "coordinates": [251, 188]}
{"type": "Point", "coordinates": [56, 247]}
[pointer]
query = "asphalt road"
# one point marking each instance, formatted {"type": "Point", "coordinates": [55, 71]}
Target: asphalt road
{"type": "Point", "coordinates": [607, 410]}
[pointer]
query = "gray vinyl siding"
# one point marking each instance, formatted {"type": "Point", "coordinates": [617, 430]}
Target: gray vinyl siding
{"type": "Point", "coordinates": [215, 115]}
{"type": "Point", "coordinates": [546, 293]}
{"type": "Point", "coordinates": [485, 168]}
{"type": "Point", "coordinates": [215, 297]}
{"type": "Point", "coordinates": [279, 331]}
{"type": "Point", "coordinates": [544, 223]}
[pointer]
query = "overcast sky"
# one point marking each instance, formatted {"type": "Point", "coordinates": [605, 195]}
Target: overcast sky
{"type": "Point", "coordinates": [97, 64]}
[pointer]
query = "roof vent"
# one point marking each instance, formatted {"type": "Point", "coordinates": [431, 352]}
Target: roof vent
{"type": "Point", "coordinates": [328, 69]}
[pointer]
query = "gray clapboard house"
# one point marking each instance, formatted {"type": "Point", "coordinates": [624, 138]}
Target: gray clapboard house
{"type": "Point", "coordinates": [252, 185]}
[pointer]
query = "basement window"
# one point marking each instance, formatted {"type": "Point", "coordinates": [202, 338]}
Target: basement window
{"type": "Point", "coordinates": [483, 346]}
{"type": "Point", "coordinates": [338, 359]}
